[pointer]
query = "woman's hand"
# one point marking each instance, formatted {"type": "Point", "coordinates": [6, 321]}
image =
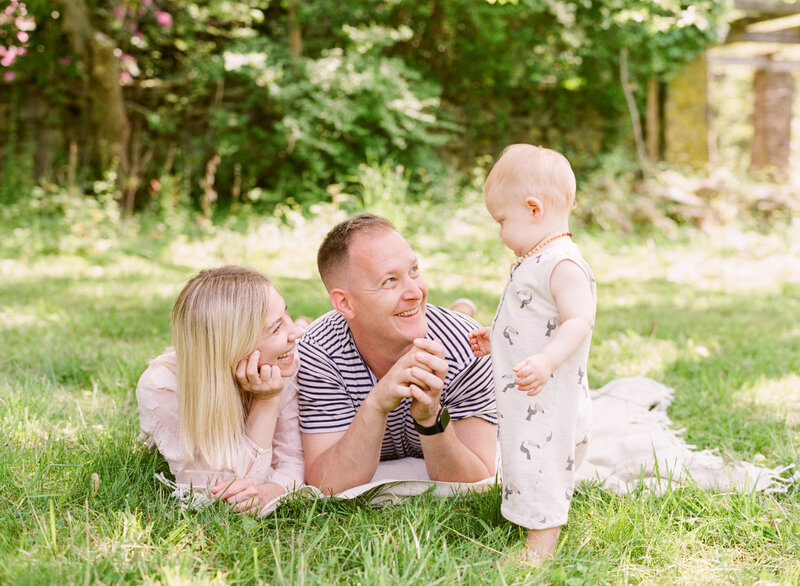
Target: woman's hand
{"type": "Point", "coordinates": [245, 496]}
{"type": "Point", "coordinates": [479, 341]}
{"type": "Point", "coordinates": [264, 382]}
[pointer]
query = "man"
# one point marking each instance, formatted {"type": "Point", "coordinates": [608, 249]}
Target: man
{"type": "Point", "coordinates": [385, 375]}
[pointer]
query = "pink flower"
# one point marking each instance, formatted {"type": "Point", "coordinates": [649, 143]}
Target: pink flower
{"type": "Point", "coordinates": [9, 57]}
{"type": "Point", "coordinates": [64, 61]}
{"type": "Point", "coordinates": [25, 23]}
{"type": "Point", "coordinates": [125, 78]}
{"type": "Point", "coordinates": [164, 19]}
{"type": "Point", "coordinates": [9, 76]}
{"type": "Point", "coordinates": [22, 36]}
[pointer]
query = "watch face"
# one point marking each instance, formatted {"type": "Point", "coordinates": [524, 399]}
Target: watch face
{"type": "Point", "coordinates": [441, 423]}
{"type": "Point", "coordinates": [444, 418]}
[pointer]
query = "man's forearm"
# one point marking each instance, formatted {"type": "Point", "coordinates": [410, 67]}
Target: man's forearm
{"type": "Point", "coordinates": [448, 459]}
{"type": "Point", "coordinates": [353, 459]}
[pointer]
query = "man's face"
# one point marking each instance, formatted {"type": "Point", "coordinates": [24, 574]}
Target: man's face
{"type": "Point", "coordinates": [386, 292]}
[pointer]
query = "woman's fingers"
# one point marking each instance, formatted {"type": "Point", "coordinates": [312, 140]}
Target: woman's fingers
{"type": "Point", "coordinates": [273, 375]}
{"type": "Point", "coordinates": [228, 489]}
{"type": "Point", "coordinates": [247, 372]}
{"type": "Point", "coordinates": [253, 375]}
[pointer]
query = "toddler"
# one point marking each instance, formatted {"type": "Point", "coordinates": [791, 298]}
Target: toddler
{"type": "Point", "coordinates": [539, 341]}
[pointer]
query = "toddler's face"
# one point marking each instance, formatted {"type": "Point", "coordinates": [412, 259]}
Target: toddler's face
{"type": "Point", "coordinates": [517, 230]}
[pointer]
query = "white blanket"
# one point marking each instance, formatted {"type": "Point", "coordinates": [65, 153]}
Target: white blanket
{"type": "Point", "coordinates": [632, 443]}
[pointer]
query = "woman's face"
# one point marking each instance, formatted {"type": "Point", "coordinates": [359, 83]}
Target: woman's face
{"type": "Point", "coordinates": [278, 340]}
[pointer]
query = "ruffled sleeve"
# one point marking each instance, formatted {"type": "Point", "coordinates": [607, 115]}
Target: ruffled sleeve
{"type": "Point", "coordinates": [287, 448]}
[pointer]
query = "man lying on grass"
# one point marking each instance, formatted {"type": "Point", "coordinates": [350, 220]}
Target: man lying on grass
{"type": "Point", "coordinates": [386, 375]}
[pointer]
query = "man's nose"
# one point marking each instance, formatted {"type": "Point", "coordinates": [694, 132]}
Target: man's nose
{"type": "Point", "coordinates": [413, 288]}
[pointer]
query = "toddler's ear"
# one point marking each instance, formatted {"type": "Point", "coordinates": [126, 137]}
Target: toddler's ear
{"type": "Point", "coordinates": [535, 207]}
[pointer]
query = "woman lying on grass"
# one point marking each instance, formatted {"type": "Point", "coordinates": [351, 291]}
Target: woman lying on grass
{"type": "Point", "coordinates": [236, 442]}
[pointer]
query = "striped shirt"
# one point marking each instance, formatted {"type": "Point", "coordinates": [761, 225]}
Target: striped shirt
{"type": "Point", "coordinates": [334, 380]}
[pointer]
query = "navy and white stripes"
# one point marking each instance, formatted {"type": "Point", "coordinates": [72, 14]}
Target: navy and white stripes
{"type": "Point", "coordinates": [334, 380]}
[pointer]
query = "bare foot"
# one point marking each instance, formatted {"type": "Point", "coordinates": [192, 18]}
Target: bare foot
{"type": "Point", "coordinates": [540, 545]}
{"type": "Point", "coordinates": [464, 305]}
{"type": "Point", "coordinates": [302, 322]}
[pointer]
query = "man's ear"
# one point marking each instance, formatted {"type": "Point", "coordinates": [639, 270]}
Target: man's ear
{"type": "Point", "coordinates": [341, 303]}
{"type": "Point", "coordinates": [535, 207]}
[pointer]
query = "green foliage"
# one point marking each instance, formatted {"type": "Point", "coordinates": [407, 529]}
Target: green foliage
{"type": "Point", "coordinates": [55, 220]}
{"type": "Point", "coordinates": [541, 71]}
{"type": "Point", "coordinates": [293, 125]}
{"type": "Point", "coordinates": [216, 100]}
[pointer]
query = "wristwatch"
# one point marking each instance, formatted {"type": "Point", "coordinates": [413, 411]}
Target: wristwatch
{"type": "Point", "coordinates": [442, 419]}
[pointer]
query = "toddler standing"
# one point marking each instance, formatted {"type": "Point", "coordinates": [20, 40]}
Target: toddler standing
{"type": "Point", "coordinates": [539, 341]}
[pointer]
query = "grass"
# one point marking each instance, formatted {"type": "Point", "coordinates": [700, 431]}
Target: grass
{"type": "Point", "coordinates": [712, 314]}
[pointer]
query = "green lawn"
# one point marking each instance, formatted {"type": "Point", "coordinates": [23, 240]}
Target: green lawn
{"type": "Point", "coordinates": [716, 315]}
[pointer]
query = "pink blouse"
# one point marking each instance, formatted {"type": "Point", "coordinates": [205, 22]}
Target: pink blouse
{"type": "Point", "coordinates": [157, 396]}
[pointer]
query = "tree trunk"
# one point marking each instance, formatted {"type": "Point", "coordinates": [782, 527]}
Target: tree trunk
{"type": "Point", "coordinates": [653, 121]}
{"type": "Point", "coordinates": [627, 90]}
{"type": "Point", "coordinates": [772, 122]}
{"type": "Point", "coordinates": [686, 116]}
{"type": "Point", "coordinates": [103, 102]}
{"type": "Point", "coordinates": [295, 32]}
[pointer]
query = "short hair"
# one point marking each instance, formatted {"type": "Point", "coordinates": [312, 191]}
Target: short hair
{"type": "Point", "coordinates": [217, 320]}
{"type": "Point", "coordinates": [524, 169]}
{"type": "Point", "coordinates": [334, 251]}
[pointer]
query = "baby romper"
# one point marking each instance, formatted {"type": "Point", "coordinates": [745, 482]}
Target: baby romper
{"type": "Point", "coordinates": [542, 438]}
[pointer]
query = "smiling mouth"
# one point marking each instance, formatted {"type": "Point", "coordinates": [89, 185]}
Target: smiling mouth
{"type": "Point", "coordinates": [408, 313]}
{"type": "Point", "coordinates": [285, 355]}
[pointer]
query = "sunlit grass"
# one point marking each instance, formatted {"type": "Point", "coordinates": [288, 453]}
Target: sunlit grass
{"type": "Point", "coordinates": [713, 315]}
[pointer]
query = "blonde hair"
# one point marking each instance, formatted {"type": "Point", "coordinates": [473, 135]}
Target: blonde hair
{"type": "Point", "coordinates": [526, 170]}
{"type": "Point", "coordinates": [216, 321]}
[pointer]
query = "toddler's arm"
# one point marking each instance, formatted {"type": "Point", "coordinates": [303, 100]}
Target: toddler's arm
{"type": "Point", "coordinates": [572, 292]}
{"type": "Point", "coordinates": [479, 341]}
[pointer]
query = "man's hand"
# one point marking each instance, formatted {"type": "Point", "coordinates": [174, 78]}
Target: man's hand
{"type": "Point", "coordinates": [417, 374]}
{"type": "Point", "coordinates": [533, 373]}
{"type": "Point", "coordinates": [429, 368]}
{"type": "Point", "coordinates": [245, 496]}
{"type": "Point", "coordinates": [263, 382]}
{"type": "Point", "coordinates": [479, 341]}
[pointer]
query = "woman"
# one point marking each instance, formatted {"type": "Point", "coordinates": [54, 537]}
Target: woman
{"type": "Point", "coordinates": [240, 442]}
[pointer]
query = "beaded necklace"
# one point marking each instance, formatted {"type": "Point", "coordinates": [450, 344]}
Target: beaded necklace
{"type": "Point", "coordinates": [537, 248]}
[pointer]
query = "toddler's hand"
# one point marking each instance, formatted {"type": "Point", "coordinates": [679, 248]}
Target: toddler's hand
{"type": "Point", "coordinates": [479, 341]}
{"type": "Point", "coordinates": [533, 373]}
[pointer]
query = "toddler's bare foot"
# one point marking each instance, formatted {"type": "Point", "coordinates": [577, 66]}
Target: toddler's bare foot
{"type": "Point", "coordinates": [465, 306]}
{"type": "Point", "coordinates": [302, 322]}
{"type": "Point", "coordinates": [540, 545]}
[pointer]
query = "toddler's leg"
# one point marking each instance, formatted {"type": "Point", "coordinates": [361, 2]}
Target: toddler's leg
{"type": "Point", "coordinates": [541, 543]}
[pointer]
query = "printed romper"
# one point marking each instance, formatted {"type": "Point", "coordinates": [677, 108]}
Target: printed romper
{"type": "Point", "coordinates": [542, 438]}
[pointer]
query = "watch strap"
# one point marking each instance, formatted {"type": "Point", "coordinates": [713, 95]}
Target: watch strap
{"type": "Point", "coordinates": [442, 419]}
